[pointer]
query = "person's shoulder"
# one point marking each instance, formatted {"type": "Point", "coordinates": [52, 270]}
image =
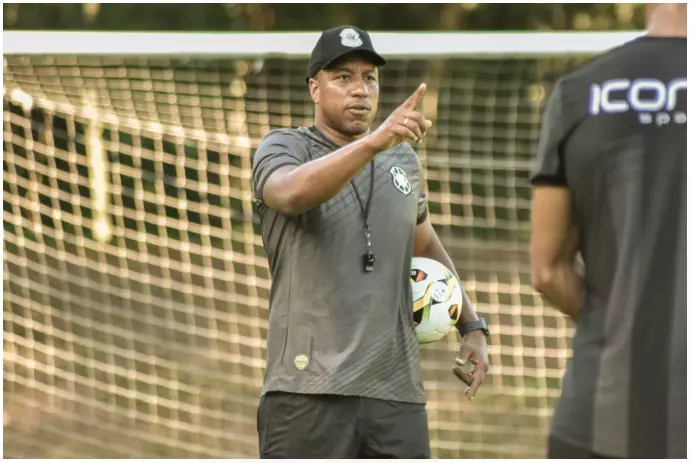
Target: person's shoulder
{"type": "Point", "coordinates": [284, 136]}
{"type": "Point", "coordinates": [609, 61]}
{"type": "Point", "coordinates": [293, 141]}
{"type": "Point", "coordinates": [568, 90]}
{"type": "Point", "coordinates": [403, 153]}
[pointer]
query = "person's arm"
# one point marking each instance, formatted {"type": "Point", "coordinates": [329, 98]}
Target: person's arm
{"type": "Point", "coordinates": [474, 344]}
{"type": "Point", "coordinates": [427, 244]}
{"type": "Point", "coordinates": [554, 245]}
{"type": "Point", "coordinates": [295, 189]}
{"type": "Point", "coordinates": [473, 348]}
{"type": "Point", "coordinates": [554, 236]}
{"type": "Point", "coordinates": [298, 187]}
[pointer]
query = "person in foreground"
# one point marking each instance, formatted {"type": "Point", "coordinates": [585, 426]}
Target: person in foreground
{"type": "Point", "coordinates": [610, 184]}
{"type": "Point", "coordinates": [343, 209]}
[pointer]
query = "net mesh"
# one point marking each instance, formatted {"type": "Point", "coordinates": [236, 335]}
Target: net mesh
{"type": "Point", "coordinates": [135, 283]}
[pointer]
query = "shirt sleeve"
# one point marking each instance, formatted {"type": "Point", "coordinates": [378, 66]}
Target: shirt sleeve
{"type": "Point", "coordinates": [422, 212]}
{"type": "Point", "coordinates": [422, 207]}
{"type": "Point", "coordinates": [278, 149]}
{"type": "Point", "coordinates": [548, 167]}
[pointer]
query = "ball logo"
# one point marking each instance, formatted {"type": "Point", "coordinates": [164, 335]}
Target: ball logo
{"type": "Point", "coordinates": [350, 38]}
{"type": "Point", "coordinates": [301, 361]}
{"type": "Point", "coordinates": [440, 292]}
{"type": "Point", "coordinates": [654, 101]}
{"type": "Point", "coordinates": [400, 180]}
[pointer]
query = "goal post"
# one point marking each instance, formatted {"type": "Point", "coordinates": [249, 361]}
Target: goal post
{"type": "Point", "coordinates": [405, 45]}
{"type": "Point", "coordinates": [135, 284]}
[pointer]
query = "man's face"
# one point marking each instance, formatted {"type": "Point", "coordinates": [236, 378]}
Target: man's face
{"type": "Point", "coordinates": [346, 95]}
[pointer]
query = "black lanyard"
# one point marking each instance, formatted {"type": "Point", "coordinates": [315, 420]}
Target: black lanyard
{"type": "Point", "coordinates": [368, 257]}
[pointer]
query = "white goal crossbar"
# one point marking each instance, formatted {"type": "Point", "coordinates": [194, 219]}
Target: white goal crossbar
{"type": "Point", "coordinates": [299, 44]}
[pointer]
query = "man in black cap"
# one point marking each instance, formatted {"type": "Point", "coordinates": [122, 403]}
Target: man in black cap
{"type": "Point", "coordinates": [343, 210]}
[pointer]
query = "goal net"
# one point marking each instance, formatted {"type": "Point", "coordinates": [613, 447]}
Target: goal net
{"type": "Point", "coordinates": [135, 283]}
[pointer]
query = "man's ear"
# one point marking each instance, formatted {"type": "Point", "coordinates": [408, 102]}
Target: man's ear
{"type": "Point", "coordinates": [314, 90]}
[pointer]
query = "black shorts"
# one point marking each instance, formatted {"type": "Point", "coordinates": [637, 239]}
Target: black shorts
{"type": "Point", "coordinates": [561, 450]}
{"type": "Point", "coordinates": [330, 426]}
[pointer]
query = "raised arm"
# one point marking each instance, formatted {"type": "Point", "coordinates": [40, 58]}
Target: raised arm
{"type": "Point", "coordinates": [296, 187]}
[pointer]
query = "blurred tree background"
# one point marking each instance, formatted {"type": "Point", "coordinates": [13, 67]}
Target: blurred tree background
{"type": "Point", "coordinates": [310, 16]}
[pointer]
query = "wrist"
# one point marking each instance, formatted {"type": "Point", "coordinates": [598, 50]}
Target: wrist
{"type": "Point", "coordinates": [478, 326]}
{"type": "Point", "coordinates": [370, 145]}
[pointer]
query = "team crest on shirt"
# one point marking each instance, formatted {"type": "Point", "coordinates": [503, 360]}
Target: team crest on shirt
{"type": "Point", "coordinates": [301, 361]}
{"type": "Point", "coordinates": [400, 180]}
{"type": "Point", "coordinates": [350, 38]}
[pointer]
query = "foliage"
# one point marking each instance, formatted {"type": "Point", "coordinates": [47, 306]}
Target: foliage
{"type": "Point", "coordinates": [309, 16]}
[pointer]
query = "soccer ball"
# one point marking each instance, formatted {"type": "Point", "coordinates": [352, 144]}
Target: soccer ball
{"type": "Point", "coordinates": [436, 299]}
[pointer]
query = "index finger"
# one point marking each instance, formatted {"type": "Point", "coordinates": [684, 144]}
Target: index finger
{"type": "Point", "coordinates": [413, 99]}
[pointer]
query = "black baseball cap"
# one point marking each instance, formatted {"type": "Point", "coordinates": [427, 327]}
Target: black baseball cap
{"type": "Point", "coordinates": [338, 42]}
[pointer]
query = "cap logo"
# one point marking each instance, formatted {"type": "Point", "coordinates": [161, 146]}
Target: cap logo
{"type": "Point", "coordinates": [350, 38]}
